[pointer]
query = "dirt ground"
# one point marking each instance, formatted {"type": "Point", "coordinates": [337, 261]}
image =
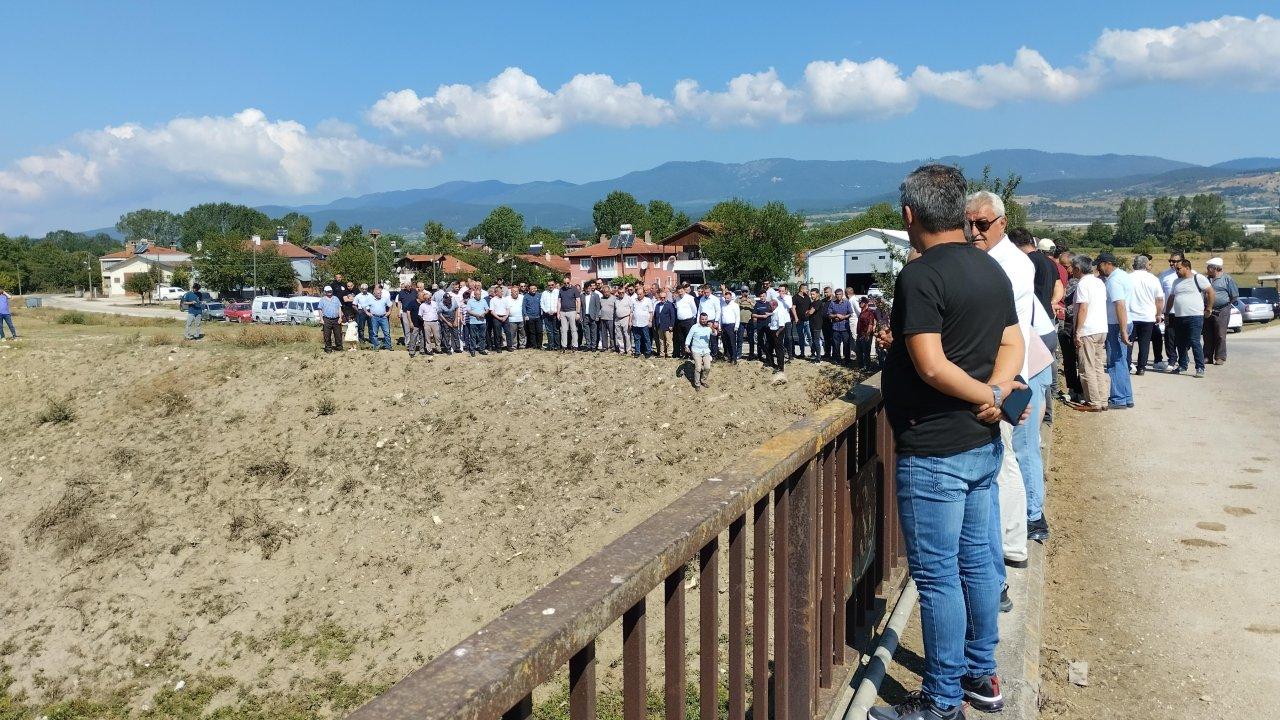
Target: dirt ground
{"type": "Point", "coordinates": [1161, 572]}
{"type": "Point", "coordinates": [210, 527]}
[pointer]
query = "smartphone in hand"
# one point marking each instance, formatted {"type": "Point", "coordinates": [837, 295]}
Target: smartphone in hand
{"type": "Point", "coordinates": [1016, 403]}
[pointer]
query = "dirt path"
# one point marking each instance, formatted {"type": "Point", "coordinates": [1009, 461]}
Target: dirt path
{"type": "Point", "coordinates": [1162, 571]}
{"type": "Point", "coordinates": [130, 308]}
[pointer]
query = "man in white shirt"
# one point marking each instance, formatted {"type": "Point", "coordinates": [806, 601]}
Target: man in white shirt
{"type": "Point", "coordinates": [1091, 334]}
{"type": "Point", "coordinates": [686, 316]}
{"type": "Point", "coordinates": [710, 305]}
{"type": "Point", "coordinates": [1188, 302]}
{"type": "Point", "coordinates": [498, 312]}
{"type": "Point", "coordinates": [641, 324]}
{"type": "Point", "coordinates": [550, 304]}
{"type": "Point", "coordinates": [784, 297]}
{"type": "Point", "coordinates": [729, 317]}
{"type": "Point", "coordinates": [361, 302]}
{"type": "Point", "coordinates": [779, 316]}
{"type": "Point", "coordinates": [622, 321]}
{"type": "Point", "coordinates": [515, 319]}
{"type": "Point", "coordinates": [1146, 307]}
{"type": "Point", "coordinates": [1021, 477]}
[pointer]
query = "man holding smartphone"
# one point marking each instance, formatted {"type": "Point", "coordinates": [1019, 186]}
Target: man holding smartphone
{"type": "Point", "coordinates": [956, 353]}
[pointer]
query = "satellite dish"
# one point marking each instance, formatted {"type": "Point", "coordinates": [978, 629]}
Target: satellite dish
{"type": "Point", "coordinates": [644, 264]}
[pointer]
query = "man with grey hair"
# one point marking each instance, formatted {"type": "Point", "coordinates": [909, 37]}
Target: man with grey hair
{"type": "Point", "coordinates": [958, 347]}
{"type": "Point", "coordinates": [1146, 308]}
{"type": "Point", "coordinates": [1022, 472]}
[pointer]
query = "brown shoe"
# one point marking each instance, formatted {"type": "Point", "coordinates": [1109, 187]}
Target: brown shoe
{"type": "Point", "coordinates": [1088, 408]}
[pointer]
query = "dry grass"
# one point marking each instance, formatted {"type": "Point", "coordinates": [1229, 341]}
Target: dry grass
{"type": "Point", "coordinates": [57, 411]}
{"type": "Point", "coordinates": [259, 336]}
{"type": "Point", "coordinates": [70, 527]}
{"type": "Point", "coordinates": [830, 384]}
{"type": "Point", "coordinates": [165, 396]}
{"type": "Point", "coordinates": [326, 406]}
{"type": "Point", "coordinates": [255, 528]}
{"type": "Point", "coordinates": [276, 472]}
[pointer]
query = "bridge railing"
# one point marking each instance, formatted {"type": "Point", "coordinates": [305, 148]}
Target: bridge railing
{"type": "Point", "coordinates": [815, 503]}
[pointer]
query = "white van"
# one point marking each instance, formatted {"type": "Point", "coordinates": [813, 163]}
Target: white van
{"type": "Point", "coordinates": [270, 309]}
{"type": "Point", "coordinates": [303, 310]}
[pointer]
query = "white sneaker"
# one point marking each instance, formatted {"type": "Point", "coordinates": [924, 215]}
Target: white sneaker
{"type": "Point", "coordinates": [1160, 366]}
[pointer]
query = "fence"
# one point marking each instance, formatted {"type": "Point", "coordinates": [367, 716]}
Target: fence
{"type": "Point", "coordinates": [827, 490]}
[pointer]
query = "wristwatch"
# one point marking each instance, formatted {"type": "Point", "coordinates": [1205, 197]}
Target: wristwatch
{"type": "Point", "coordinates": [996, 398]}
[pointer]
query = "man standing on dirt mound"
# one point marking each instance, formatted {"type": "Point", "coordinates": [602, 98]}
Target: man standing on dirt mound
{"type": "Point", "coordinates": [958, 347]}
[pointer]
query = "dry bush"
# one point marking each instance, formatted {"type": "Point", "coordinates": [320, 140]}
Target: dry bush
{"type": "Point", "coordinates": [75, 317]}
{"type": "Point", "coordinates": [255, 528]}
{"type": "Point", "coordinates": [326, 406]}
{"type": "Point", "coordinates": [6, 557]}
{"type": "Point", "coordinates": [161, 339]}
{"type": "Point", "coordinates": [830, 384]}
{"type": "Point", "coordinates": [277, 471]}
{"type": "Point", "coordinates": [164, 396]}
{"type": "Point", "coordinates": [120, 458]}
{"type": "Point", "coordinates": [57, 411]}
{"type": "Point", "coordinates": [260, 336]}
{"type": "Point", "coordinates": [70, 527]}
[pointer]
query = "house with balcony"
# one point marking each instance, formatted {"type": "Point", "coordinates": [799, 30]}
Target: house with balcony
{"type": "Point", "coordinates": [688, 263]}
{"type": "Point", "coordinates": [643, 259]}
{"type": "Point", "coordinates": [434, 268]}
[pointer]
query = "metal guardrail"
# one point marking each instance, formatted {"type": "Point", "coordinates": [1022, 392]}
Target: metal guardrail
{"type": "Point", "coordinates": [836, 552]}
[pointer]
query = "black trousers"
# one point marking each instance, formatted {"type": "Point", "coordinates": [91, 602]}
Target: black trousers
{"type": "Point", "coordinates": [1157, 342]}
{"type": "Point", "coordinates": [777, 351]}
{"type": "Point", "coordinates": [1070, 369]}
{"type": "Point", "coordinates": [1170, 340]}
{"type": "Point", "coordinates": [332, 332]}
{"type": "Point", "coordinates": [682, 330]}
{"type": "Point", "coordinates": [1142, 336]}
{"type": "Point", "coordinates": [533, 334]}
{"type": "Point", "coordinates": [828, 338]}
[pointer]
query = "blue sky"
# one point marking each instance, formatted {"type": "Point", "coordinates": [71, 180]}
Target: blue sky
{"type": "Point", "coordinates": [173, 82]}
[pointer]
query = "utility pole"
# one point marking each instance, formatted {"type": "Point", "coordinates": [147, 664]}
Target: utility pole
{"type": "Point", "coordinates": [373, 244]}
{"type": "Point", "coordinates": [257, 241]}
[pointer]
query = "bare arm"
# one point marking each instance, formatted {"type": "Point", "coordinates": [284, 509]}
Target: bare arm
{"type": "Point", "coordinates": [1082, 309]}
{"type": "Point", "coordinates": [1122, 319]}
{"type": "Point", "coordinates": [1058, 293]}
{"type": "Point", "coordinates": [1208, 299]}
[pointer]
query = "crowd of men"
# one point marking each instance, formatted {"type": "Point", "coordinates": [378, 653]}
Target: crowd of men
{"type": "Point", "coordinates": [648, 321]}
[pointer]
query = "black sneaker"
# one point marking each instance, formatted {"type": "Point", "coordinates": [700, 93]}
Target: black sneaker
{"type": "Point", "coordinates": [983, 693]}
{"type": "Point", "coordinates": [1019, 564]}
{"type": "Point", "coordinates": [1005, 603]}
{"type": "Point", "coordinates": [1038, 530]}
{"type": "Point", "coordinates": [917, 706]}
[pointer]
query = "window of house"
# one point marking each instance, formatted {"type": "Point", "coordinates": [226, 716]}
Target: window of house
{"type": "Point", "coordinates": [585, 264]}
{"type": "Point", "coordinates": [605, 264]}
{"type": "Point", "coordinates": [631, 261]}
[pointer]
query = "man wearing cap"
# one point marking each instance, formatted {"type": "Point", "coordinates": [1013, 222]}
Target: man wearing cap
{"type": "Point", "coordinates": [1119, 330]}
{"type": "Point", "coordinates": [1225, 295]}
{"type": "Point", "coordinates": [331, 320]}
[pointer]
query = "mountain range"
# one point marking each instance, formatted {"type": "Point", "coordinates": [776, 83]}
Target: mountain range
{"type": "Point", "coordinates": [809, 186]}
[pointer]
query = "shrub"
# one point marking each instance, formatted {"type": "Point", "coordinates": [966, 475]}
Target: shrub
{"type": "Point", "coordinates": [74, 317]}
{"type": "Point", "coordinates": [326, 406]}
{"type": "Point", "coordinates": [58, 411]}
{"type": "Point", "coordinates": [259, 336]}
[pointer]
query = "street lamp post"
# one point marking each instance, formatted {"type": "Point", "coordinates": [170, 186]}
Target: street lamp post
{"type": "Point", "coordinates": [88, 273]}
{"type": "Point", "coordinates": [373, 245]}
{"type": "Point", "coordinates": [257, 242]}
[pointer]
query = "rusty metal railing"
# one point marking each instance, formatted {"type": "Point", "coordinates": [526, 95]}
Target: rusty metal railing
{"type": "Point", "coordinates": [826, 481]}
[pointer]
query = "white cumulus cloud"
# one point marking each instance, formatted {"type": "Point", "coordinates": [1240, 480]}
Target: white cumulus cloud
{"type": "Point", "coordinates": [513, 107]}
{"type": "Point", "coordinates": [1229, 48]}
{"type": "Point", "coordinates": [1030, 77]}
{"type": "Point", "coordinates": [241, 151]}
{"type": "Point", "coordinates": [873, 89]}
{"type": "Point", "coordinates": [750, 99]}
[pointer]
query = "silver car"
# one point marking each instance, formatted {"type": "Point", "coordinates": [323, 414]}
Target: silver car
{"type": "Point", "coordinates": [1255, 310]}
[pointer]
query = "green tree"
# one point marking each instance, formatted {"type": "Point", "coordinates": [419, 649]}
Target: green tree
{"type": "Point", "coordinates": [880, 215]}
{"type": "Point", "coordinates": [210, 220]}
{"type": "Point", "coordinates": [664, 221]}
{"type": "Point", "coordinates": [550, 241]}
{"type": "Point", "coordinates": [275, 272]}
{"type": "Point", "coordinates": [1186, 241]}
{"type": "Point", "coordinates": [1098, 234]}
{"type": "Point", "coordinates": [159, 226]}
{"type": "Point", "coordinates": [1131, 222]}
{"type": "Point", "coordinates": [1223, 235]}
{"type": "Point", "coordinates": [503, 230]}
{"type": "Point", "coordinates": [1169, 215]}
{"type": "Point", "coordinates": [616, 209]}
{"type": "Point", "coordinates": [181, 277]}
{"type": "Point", "coordinates": [139, 284]}
{"type": "Point", "coordinates": [1014, 212]}
{"type": "Point", "coordinates": [1273, 243]}
{"type": "Point", "coordinates": [439, 240]}
{"type": "Point", "coordinates": [332, 229]}
{"type": "Point", "coordinates": [753, 244]}
{"type": "Point", "coordinates": [354, 256]}
{"type": "Point", "coordinates": [1206, 212]}
{"type": "Point", "coordinates": [297, 227]}
{"type": "Point", "coordinates": [225, 264]}
{"type": "Point", "coordinates": [492, 267]}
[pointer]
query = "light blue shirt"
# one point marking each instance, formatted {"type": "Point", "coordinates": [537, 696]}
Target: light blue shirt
{"type": "Point", "coordinates": [475, 305]}
{"type": "Point", "coordinates": [1119, 287]}
{"type": "Point", "coordinates": [330, 307]}
{"type": "Point", "coordinates": [699, 339]}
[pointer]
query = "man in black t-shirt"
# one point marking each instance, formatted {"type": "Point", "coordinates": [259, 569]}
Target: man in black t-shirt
{"type": "Point", "coordinates": [804, 313]}
{"type": "Point", "coordinates": [957, 349]}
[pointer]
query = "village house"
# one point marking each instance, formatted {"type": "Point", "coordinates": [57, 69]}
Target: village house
{"type": "Point", "coordinates": [854, 260]}
{"type": "Point", "coordinates": [644, 260]}
{"type": "Point", "coordinates": [139, 258]}
{"type": "Point", "coordinates": [432, 267]}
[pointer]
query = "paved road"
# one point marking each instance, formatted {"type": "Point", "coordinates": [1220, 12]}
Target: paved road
{"type": "Point", "coordinates": [70, 302]}
{"type": "Point", "coordinates": [1163, 570]}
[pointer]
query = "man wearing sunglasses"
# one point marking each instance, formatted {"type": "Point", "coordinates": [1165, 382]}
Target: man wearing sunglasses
{"type": "Point", "coordinates": [1167, 279]}
{"type": "Point", "coordinates": [1022, 472]}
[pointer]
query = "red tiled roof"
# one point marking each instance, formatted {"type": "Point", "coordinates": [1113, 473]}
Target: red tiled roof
{"type": "Point", "coordinates": [555, 262]}
{"type": "Point", "coordinates": [602, 249]}
{"type": "Point", "coordinates": [449, 264]}
{"type": "Point", "coordinates": [323, 251]}
{"type": "Point", "coordinates": [285, 249]}
{"type": "Point", "coordinates": [151, 250]}
{"type": "Point", "coordinates": [688, 235]}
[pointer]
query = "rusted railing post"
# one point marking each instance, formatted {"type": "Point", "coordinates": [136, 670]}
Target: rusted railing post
{"type": "Point", "coordinates": [709, 629]}
{"type": "Point", "coordinates": [801, 511]}
{"type": "Point", "coordinates": [673, 640]}
{"type": "Point", "coordinates": [582, 683]}
{"type": "Point", "coordinates": [737, 619]}
{"type": "Point", "coordinates": [634, 684]}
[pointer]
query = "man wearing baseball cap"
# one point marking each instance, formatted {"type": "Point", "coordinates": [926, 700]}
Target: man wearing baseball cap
{"type": "Point", "coordinates": [1046, 246]}
{"type": "Point", "coordinates": [331, 319]}
{"type": "Point", "coordinates": [1225, 294]}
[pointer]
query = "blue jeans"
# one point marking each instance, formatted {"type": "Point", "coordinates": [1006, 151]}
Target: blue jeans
{"type": "Point", "coordinates": [641, 341]}
{"type": "Point", "coordinates": [1026, 445]}
{"type": "Point", "coordinates": [379, 325]}
{"type": "Point", "coordinates": [363, 333]}
{"type": "Point", "coordinates": [551, 328]}
{"type": "Point", "coordinates": [1118, 366]}
{"type": "Point", "coordinates": [476, 337]}
{"type": "Point", "coordinates": [7, 319]}
{"type": "Point", "coordinates": [1187, 338]}
{"type": "Point", "coordinates": [804, 338]}
{"type": "Point", "coordinates": [945, 506]}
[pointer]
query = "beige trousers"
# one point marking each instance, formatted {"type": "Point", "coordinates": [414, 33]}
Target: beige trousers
{"type": "Point", "coordinates": [1013, 500]}
{"type": "Point", "coordinates": [1091, 359]}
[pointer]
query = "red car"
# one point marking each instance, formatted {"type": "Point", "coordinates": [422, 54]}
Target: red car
{"type": "Point", "coordinates": [239, 312]}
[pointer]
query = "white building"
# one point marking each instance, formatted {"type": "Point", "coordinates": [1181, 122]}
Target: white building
{"type": "Point", "coordinates": [1254, 228]}
{"type": "Point", "coordinates": [136, 259]}
{"type": "Point", "coordinates": [852, 261]}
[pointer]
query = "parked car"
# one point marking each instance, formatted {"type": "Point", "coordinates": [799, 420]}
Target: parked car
{"type": "Point", "coordinates": [1255, 310]}
{"type": "Point", "coordinates": [238, 312]}
{"type": "Point", "coordinates": [1236, 321]}
{"type": "Point", "coordinates": [270, 309]}
{"type": "Point", "coordinates": [169, 292]}
{"type": "Point", "coordinates": [214, 310]}
{"type": "Point", "coordinates": [303, 310]}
